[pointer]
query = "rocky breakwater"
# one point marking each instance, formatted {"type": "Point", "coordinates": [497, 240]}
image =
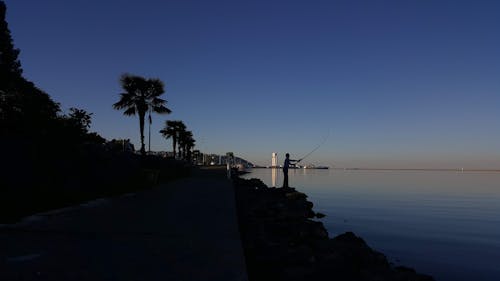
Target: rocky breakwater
{"type": "Point", "coordinates": [282, 242]}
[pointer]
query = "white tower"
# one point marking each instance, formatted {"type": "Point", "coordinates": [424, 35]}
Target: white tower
{"type": "Point", "coordinates": [274, 161]}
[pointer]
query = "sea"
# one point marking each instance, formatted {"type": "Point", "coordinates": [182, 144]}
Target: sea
{"type": "Point", "coordinates": [442, 223]}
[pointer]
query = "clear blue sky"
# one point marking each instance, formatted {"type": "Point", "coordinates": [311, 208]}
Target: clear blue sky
{"type": "Point", "coordinates": [396, 83]}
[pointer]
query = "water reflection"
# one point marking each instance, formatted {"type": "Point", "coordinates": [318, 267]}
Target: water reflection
{"type": "Point", "coordinates": [274, 177]}
{"type": "Point", "coordinates": [443, 223]}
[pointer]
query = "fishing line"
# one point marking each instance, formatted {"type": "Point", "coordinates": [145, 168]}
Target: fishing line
{"type": "Point", "coordinates": [317, 147]}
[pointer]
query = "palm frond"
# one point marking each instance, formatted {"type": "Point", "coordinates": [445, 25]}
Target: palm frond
{"type": "Point", "coordinates": [130, 111]}
{"type": "Point", "coordinates": [161, 109]}
{"type": "Point", "coordinates": [167, 133]}
{"type": "Point", "coordinates": [155, 87]}
{"type": "Point", "coordinates": [126, 100]}
{"type": "Point", "coordinates": [157, 101]}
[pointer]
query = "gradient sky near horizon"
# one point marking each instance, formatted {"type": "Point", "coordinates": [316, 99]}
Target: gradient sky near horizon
{"type": "Point", "coordinates": [400, 84]}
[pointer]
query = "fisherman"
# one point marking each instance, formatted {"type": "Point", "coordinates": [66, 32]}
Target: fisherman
{"type": "Point", "coordinates": [287, 163]}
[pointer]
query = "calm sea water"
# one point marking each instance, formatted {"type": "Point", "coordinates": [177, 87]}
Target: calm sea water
{"type": "Point", "coordinates": [446, 224]}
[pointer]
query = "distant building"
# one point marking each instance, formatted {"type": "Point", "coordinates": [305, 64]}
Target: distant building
{"type": "Point", "coordinates": [197, 157]}
{"type": "Point", "coordinates": [274, 160]}
{"type": "Point", "coordinates": [206, 159]}
{"type": "Point", "coordinates": [211, 159]}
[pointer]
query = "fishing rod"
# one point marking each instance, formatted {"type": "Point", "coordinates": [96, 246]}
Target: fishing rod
{"type": "Point", "coordinates": [316, 148]}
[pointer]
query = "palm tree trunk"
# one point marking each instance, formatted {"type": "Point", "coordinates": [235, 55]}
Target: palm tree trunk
{"type": "Point", "coordinates": [149, 138]}
{"type": "Point", "coordinates": [141, 128]}
{"type": "Point", "coordinates": [189, 154]}
{"type": "Point", "coordinates": [174, 144]}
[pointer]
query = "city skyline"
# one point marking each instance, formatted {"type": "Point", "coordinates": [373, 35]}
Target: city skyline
{"type": "Point", "coordinates": [387, 84]}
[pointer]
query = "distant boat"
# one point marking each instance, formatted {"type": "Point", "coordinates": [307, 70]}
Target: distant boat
{"type": "Point", "coordinates": [311, 166]}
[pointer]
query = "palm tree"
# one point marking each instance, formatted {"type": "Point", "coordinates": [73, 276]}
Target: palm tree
{"type": "Point", "coordinates": [186, 142]}
{"type": "Point", "coordinates": [172, 130]}
{"type": "Point", "coordinates": [141, 95]}
{"type": "Point", "coordinates": [189, 143]}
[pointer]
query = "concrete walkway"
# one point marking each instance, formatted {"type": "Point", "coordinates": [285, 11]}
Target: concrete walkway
{"type": "Point", "coordinates": [184, 230]}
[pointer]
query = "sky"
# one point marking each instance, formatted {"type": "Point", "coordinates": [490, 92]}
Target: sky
{"type": "Point", "coordinates": [380, 84]}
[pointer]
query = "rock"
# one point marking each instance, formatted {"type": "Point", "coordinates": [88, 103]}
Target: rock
{"type": "Point", "coordinates": [294, 195]}
{"type": "Point", "coordinates": [281, 242]}
{"type": "Point", "coordinates": [319, 215]}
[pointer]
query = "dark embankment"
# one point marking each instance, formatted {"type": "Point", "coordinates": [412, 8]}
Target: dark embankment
{"type": "Point", "coordinates": [36, 179]}
{"type": "Point", "coordinates": [281, 242]}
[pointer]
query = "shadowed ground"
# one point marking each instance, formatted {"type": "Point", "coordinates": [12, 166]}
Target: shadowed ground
{"type": "Point", "coordinates": [185, 230]}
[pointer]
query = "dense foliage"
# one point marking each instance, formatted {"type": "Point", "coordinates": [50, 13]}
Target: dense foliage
{"type": "Point", "coordinates": [29, 113]}
{"type": "Point", "coordinates": [50, 159]}
{"type": "Point", "coordinates": [46, 155]}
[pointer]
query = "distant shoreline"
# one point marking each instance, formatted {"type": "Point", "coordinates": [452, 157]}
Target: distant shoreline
{"type": "Point", "coordinates": [417, 169]}
{"type": "Point", "coordinates": [397, 169]}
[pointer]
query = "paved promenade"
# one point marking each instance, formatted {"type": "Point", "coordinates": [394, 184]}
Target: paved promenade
{"type": "Point", "coordinates": [184, 230]}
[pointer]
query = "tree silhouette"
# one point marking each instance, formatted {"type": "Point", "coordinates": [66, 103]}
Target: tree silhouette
{"type": "Point", "coordinates": [24, 109]}
{"type": "Point", "coordinates": [186, 142]}
{"type": "Point", "coordinates": [172, 130]}
{"type": "Point", "coordinates": [80, 118]}
{"type": "Point", "coordinates": [10, 66]}
{"type": "Point", "coordinates": [189, 143]}
{"type": "Point", "coordinates": [75, 125]}
{"type": "Point", "coordinates": [141, 95]}
{"type": "Point", "coordinates": [10, 70]}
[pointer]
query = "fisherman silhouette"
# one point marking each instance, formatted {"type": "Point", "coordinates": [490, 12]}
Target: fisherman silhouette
{"type": "Point", "coordinates": [287, 163]}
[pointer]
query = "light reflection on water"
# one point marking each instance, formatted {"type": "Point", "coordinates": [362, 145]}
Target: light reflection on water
{"type": "Point", "coordinates": [446, 224]}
